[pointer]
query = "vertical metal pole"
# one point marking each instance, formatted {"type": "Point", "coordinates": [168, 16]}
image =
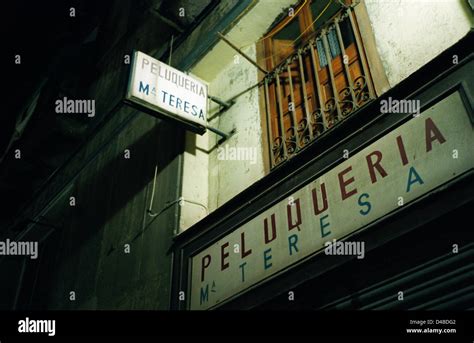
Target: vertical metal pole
{"type": "Point", "coordinates": [331, 72]}
{"type": "Point", "coordinates": [305, 94]}
{"type": "Point", "coordinates": [171, 50]}
{"type": "Point", "coordinates": [20, 283]}
{"type": "Point", "coordinates": [318, 86]}
{"type": "Point", "coordinates": [346, 67]}
{"type": "Point", "coordinates": [269, 124]}
{"type": "Point", "coordinates": [293, 110]}
{"type": "Point", "coordinates": [280, 115]}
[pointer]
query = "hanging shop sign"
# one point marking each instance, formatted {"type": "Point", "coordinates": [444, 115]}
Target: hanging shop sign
{"type": "Point", "coordinates": [166, 91]}
{"type": "Point", "coordinates": [415, 158]}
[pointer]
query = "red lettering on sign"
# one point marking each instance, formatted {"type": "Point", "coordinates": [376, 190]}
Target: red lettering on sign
{"type": "Point", "coordinates": [432, 133]}
{"type": "Point", "coordinates": [205, 262]}
{"type": "Point", "coordinates": [242, 244]}
{"type": "Point", "coordinates": [401, 149]}
{"type": "Point", "coordinates": [265, 229]}
{"type": "Point", "coordinates": [375, 165]}
{"type": "Point", "coordinates": [344, 183]}
{"type": "Point", "coordinates": [224, 255]}
{"type": "Point", "coordinates": [296, 203]}
{"type": "Point", "coordinates": [318, 210]}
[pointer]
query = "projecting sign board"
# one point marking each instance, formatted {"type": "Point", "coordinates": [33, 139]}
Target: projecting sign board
{"type": "Point", "coordinates": [418, 156]}
{"type": "Point", "coordinates": [166, 91]}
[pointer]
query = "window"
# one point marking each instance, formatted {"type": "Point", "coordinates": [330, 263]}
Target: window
{"type": "Point", "coordinates": [319, 74]}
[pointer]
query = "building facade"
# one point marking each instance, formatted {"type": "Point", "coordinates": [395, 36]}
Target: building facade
{"type": "Point", "coordinates": [344, 180]}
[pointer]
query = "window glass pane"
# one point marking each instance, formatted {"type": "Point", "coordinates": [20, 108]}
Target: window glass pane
{"type": "Point", "coordinates": [317, 6]}
{"type": "Point", "coordinates": [333, 43]}
{"type": "Point", "coordinates": [283, 41]}
{"type": "Point", "coordinates": [346, 32]}
{"type": "Point", "coordinates": [290, 32]}
{"type": "Point", "coordinates": [321, 53]}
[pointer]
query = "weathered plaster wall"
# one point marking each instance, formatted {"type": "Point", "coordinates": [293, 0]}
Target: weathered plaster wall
{"type": "Point", "coordinates": [228, 177]}
{"type": "Point", "coordinates": [194, 205]}
{"type": "Point", "coordinates": [410, 33]}
{"type": "Point", "coordinates": [228, 74]}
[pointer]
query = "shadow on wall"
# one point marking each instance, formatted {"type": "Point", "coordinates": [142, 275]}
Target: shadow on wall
{"type": "Point", "coordinates": [109, 191]}
{"type": "Point", "coordinates": [111, 200]}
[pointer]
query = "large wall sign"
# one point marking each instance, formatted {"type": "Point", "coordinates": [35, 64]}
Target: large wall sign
{"type": "Point", "coordinates": [418, 156]}
{"type": "Point", "coordinates": [168, 92]}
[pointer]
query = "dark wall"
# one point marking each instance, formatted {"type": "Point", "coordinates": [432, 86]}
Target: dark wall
{"type": "Point", "coordinates": [83, 246]}
{"type": "Point", "coordinates": [87, 254]}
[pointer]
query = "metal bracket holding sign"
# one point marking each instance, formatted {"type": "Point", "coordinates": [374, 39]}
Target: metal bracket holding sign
{"type": "Point", "coordinates": [163, 91]}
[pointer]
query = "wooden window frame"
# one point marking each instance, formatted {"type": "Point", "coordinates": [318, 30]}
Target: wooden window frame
{"type": "Point", "coordinates": [376, 73]}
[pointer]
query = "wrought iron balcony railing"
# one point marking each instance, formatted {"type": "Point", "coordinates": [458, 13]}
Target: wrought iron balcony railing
{"type": "Point", "coordinates": [320, 85]}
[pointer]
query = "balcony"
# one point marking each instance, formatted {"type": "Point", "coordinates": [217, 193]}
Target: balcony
{"type": "Point", "coordinates": [323, 82]}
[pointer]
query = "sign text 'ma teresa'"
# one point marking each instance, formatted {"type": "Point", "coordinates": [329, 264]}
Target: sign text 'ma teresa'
{"type": "Point", "coordinates": [406, 163]}
{"type": "Point", "coordinates": [168, 91]}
